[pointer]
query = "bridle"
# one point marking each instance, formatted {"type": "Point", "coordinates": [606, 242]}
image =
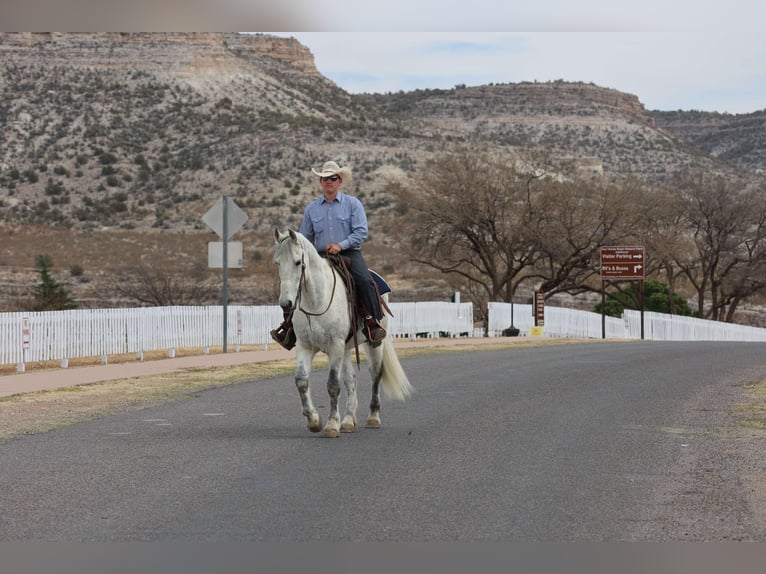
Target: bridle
{"type": "Point", "coordinates": [301, 286]}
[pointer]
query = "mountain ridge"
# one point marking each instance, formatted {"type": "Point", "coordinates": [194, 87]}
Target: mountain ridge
{"type": "Point", "coordinates": [140, 133]}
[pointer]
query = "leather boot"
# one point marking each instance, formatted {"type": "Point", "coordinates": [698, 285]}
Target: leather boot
{"type": "Point", "coordinates": [284, 334]}
{"type": "Point", "coordinates": [374, 331]}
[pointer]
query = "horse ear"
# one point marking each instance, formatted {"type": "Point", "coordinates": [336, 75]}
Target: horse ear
{"type": "Point", "coordinates": [280, 235]}
{"type": "Point", "coordinates": [292, 235]}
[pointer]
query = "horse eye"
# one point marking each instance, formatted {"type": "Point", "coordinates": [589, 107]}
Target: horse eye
{"type": "Point", "coordinates": [297, 263]}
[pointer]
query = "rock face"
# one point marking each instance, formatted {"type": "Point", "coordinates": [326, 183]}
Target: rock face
{"type": "Point", "coordinates": [145, 130]}
{"type": "Point", "coordinates": [173, 53]}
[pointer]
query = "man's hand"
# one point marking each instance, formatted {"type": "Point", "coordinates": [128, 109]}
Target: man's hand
{"type": "Point", "coordinates": [332, 248]}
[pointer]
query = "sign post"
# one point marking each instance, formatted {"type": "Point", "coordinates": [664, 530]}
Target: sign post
{"type": "Point", "coordinates": [622, 263]}
{"type": "Point", "coordinates": [225, 218]}
{"type": "Point", "coordinates": [539, 309]}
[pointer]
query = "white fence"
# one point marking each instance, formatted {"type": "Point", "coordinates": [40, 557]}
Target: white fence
{"type": "Point", "coordinates": [62, 335]}
{"type": "Point", "coordinates": [560, 322]}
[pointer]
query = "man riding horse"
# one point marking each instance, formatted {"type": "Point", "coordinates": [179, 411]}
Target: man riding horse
{"type": "Point", "coordinates": [336, 224]}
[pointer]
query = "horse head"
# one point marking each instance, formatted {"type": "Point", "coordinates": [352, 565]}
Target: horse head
{"type": "Point", "coordinates": [290, 259]}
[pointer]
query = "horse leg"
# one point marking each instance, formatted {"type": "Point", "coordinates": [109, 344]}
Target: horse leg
{"type": "Point", "coordinates": [302, 373]}
{"type": "Point", "coordinates": [332, 428]}
{"type": "Point", "coordinates": [349, 380]}
{"type": "Point", "coordinates": [376, 370]}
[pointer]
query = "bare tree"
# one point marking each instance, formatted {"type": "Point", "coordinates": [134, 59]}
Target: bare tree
{"type": "Point", "coordinates": [499, 222]}
{"type": "Point", "coordinates": [156, 286]}
{"type": "Point", "coordinates": [576, 219]}
{"type": "Point", "coordinates": [465, 215]}
{"type": "Point", "coordinates": [727, 224]}
{"type": "Point", "coordinates": [663, 232]}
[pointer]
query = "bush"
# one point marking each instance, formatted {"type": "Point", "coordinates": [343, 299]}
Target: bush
{"type": "Point", "coordinates": [656, 299]}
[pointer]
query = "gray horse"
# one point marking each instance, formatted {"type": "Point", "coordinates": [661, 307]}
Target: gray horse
{"type": "Point", "coordinates": [311, 289]}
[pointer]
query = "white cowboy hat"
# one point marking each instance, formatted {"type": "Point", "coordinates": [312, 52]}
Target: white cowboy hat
{"type": "Point", "coordinates": [331, 168]}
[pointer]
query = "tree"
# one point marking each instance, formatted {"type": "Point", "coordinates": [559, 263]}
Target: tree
{"type": "Point", "coordinates": [50, 294]}
{"type": "Point", "coordinates": [467, 211]}
{"type": "Point", "coordinates": [727, 225]}
{"type": "Point", "coordinates": [665, 237]}
{"type": "Point", "coordinates": [155, 286]}
{"type": "Point", "coordinates": [576, 218]}
{"type": "Point", "coordinates": [499, 222]}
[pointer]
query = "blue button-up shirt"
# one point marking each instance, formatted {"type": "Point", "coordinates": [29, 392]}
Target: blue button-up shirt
{"type": "Point", "coordinates": [342, 221]}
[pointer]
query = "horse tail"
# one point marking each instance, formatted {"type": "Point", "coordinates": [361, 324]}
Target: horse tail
{"type": "Point", "coordinates": [393, 379]}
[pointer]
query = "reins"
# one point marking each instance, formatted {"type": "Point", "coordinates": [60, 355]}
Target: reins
{"type": "Point", "coordinates": [301, 283]}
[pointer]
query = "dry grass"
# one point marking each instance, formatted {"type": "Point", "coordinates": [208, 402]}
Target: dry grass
{"type": "Point", "coordinates": [752, 414]}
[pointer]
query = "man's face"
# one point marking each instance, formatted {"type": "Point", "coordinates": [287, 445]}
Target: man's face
{"type": "Point", "coordinates": [330, 184]}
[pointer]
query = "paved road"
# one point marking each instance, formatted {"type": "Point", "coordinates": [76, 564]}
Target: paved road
{"type": "Point", "coordinates": [552, 443]}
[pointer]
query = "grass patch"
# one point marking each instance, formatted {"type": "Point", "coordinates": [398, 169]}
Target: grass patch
{"type": "Point", "coordinates": [752, 414]}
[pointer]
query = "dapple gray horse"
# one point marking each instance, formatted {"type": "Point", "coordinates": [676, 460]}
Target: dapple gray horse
{"type": "Point", "coordinates": [314, 292]}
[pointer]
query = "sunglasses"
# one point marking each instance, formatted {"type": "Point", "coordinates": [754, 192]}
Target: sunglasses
{"type": "Point", "coordinates": [330, 178]}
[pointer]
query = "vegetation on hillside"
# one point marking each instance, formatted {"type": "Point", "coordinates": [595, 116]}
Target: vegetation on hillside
{"type": "Point", "coordinates": [537, 175]}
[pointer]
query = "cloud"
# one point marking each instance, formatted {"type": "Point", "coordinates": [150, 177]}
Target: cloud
{"type": "Point", "coordinates": [690, 70]}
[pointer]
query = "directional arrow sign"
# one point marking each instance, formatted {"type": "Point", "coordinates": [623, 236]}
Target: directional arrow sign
{"type": "Point", "coordinates": [622, 262]}
{"type": "Point", "coordinates": [234, 214]}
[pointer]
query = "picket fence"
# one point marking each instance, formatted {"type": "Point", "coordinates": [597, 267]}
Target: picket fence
{"type": "Point", "coordinates": [561, 322]}
{"type": "Point", "coordinates": [62, 335]}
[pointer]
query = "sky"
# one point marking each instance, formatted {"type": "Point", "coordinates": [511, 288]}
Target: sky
{"type": "Point", "coordinates": [707, 55]}
{"type": "Point", "coordinates": [723, 72]}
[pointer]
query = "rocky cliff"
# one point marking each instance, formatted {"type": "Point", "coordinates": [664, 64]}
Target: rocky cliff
{"type": "Point", "coordinates": [145, 129]}
{"type": "Point", "coordinates": [174, 54]}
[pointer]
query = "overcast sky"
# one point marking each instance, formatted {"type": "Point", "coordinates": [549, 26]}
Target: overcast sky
{"type": "Point", "coordinates": [723, 71]}
{"type": "Point", "coordinates": [673, 54]}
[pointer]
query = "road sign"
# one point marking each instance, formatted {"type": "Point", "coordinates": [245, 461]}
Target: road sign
{"type": "Point", "coordinates": [234, 259]}
{"type": "Point", "coordinates": [225, 218]}
{"type": "Point", "coordinates": [622, 262]}
{"type": "Point", "coordinates": [235, 217]}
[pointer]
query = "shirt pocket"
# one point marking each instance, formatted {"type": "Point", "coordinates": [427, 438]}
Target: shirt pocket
{"type": "Point", "coordinates": [318, 224]}
{"type": "Point", "coordinates": [344, 222]}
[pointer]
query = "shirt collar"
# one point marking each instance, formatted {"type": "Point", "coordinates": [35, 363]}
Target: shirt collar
{"type": "Point", "coordinates": [338, 197]}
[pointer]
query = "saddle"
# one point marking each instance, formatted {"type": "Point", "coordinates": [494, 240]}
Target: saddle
{"type": "Point", "coordinates": [356, 310]}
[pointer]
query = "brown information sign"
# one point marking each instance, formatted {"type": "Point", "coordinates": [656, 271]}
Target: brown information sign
{"type": "Point", "coordinates": [622, 263]}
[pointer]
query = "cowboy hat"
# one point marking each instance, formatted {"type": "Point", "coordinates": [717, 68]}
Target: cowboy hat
{"type": "Point", "coordinates": [331, 168]}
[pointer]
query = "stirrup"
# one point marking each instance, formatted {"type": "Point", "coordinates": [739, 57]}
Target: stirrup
{"type": "Point", "coordinates": [374, 331]}
{"type": "Point", "coordinates": [285, 336]}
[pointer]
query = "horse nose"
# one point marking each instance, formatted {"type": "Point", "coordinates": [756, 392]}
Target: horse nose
{"type": "Point", "coordinates": [287, 306]}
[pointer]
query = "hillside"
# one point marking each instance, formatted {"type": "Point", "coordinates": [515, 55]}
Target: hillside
{"type": "Point", "coordinates": [739, 139]}
{"type": "Point", "coordinates": [108, 138]}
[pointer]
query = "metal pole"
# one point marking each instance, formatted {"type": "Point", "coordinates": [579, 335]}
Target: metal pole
{"type": "Point", "coordinates": [641, 288]}
{"type": "Point", "coordinates": [225, 270]}
{"type": "Point", "coordinates": [603, 311]}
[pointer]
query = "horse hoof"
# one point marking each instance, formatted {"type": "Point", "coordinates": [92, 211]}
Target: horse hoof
{"type": "Point", "coordinates": [315, 423]}
{"type": "Point", "coordinates": [372, 423]}
{"type": "Point", "coordinates": [348, 426]}
{"type": "Point", "coordinates": [331, 433]}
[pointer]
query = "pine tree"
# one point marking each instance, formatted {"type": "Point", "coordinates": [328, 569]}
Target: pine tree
{"type": "Point", "coordinates": [50, 294]}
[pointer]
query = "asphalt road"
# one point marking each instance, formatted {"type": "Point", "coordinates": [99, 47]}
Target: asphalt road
{"type": "Point", "coordinates": [573, 442]}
